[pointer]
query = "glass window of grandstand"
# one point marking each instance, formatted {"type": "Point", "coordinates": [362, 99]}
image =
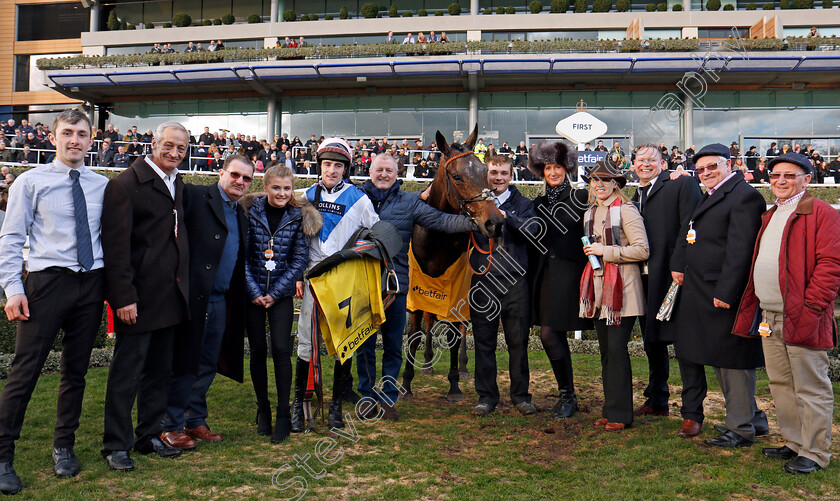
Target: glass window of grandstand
{"type": "Point", "coordinates": [52, 21]}
{"type": "Point", "coordinates": [21, 73]}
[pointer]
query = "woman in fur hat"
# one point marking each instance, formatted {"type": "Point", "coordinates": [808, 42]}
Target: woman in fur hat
{"type": "Point", "coordinates": [557, 263]}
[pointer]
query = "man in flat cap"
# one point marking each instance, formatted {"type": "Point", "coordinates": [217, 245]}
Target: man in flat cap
{"type": "Point", "coordinates": [789, 303]}
{"type": "Point", "coordinates": [716, 257]}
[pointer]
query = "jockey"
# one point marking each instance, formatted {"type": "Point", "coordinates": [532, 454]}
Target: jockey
{"type": "Point", "coordinates": [345, 209]}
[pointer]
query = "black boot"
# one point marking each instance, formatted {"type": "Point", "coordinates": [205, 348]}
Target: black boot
{"type": "Point", "coordinates": [263, 419]}
{"type": "Point", "coordinates": [301, 374]}
{"type": "Point", "coordinates": [350, 395]}
{"type": "Point", "coordinates": [282, 426]}
{"type": "Point", "coordinates": [568, 404]}
{"type": "Point", "coordinates": [340, 374]}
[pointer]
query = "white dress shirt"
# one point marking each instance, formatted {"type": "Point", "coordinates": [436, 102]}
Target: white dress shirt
{"type": "Point", "coordinates": [169, 180]}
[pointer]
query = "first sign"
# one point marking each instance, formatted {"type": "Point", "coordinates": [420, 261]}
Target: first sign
{"type": "Point", "coordinates": [581, 127]}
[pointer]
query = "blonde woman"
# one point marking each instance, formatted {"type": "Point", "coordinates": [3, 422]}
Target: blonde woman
{"type": "Point", "coordinates": [613, 294]}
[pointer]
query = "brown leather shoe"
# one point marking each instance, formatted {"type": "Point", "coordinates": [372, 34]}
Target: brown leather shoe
{"type": "Point", "coordinates": [690, 428]}
{"type": "Point", "coordinates": [615, 426]}
{"type": "Point", "coordinates": [178, 440]}
{"type": "Point", "coordinates": [602, 422]}
{"type": "Point", "coordinates": [204, 434]}
{"type": "Point", "coordinates": [646, 410]}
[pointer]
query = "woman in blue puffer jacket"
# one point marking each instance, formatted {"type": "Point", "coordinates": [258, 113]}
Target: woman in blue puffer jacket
{"type": "Point", "coordinates": [279, 227]}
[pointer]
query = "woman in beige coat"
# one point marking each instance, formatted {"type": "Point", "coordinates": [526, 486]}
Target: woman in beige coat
{"type": "Point", "coordinates": [613, 294]}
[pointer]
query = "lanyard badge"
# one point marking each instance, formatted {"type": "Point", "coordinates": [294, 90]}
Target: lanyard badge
{"type": "Point", "coordinates": [691, 236]}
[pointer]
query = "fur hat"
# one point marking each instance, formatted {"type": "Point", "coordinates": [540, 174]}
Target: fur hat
{"type": "Point", "coordinates": [551, 152]}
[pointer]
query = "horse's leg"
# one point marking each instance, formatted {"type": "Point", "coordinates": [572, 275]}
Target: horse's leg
{"type": "Point", "coordinates": [415, 319]}
{"type": "Point", "coordinates": [428, 352]}
{"type": "Point", "coordinates": [462, 356]}
{"type": "Point", "coordinates": [454, 344]}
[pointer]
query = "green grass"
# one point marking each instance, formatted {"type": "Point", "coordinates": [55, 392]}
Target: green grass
{"type": "Point", "coordinates": [436, 451]}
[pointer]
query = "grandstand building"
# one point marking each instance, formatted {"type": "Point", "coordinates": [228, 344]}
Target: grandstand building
{"type": "Point", "coordinates": [687, 75]}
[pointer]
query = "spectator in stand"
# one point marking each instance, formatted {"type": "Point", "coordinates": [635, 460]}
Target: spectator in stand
{"type": "Point", "coordinates": [421, 38]}
{"type": "Point", "coordinates": [135, 149]}
{"type": "Point", "coordinates": [169, 49]}
{"type": "Point", "coordinates": [588, 147]}
{"type": "Point", "coordinates": [231, 150]}
{"type": "Point", "coordinates": [491, 151]}
{"type": "Point", "coordinates": [505, 149]}
{"type": "Point", "coordinates": [307, 168]}
{"type": "Point", "coordinates": [206, 137]}
{"type": "Point", "coordinates": [663, 149]}
{"type": "Point", "coordinates": [796, 148]}
{"type": "Point", "coordinates": [220, 45]}
{"type": "Point", "coordinates": [190, 47]}
{"type": "Point", "coordinates": [296, 142]}
{"type": "Point", "coordinates": [379, 148]}
{"type": "Point", "coordinates": [212, 46]}
{"type": "Point", "coordinates": [773, 151]}
{"type": "Point", "coordinates": [432, 37]}
{"type": "Point", "coordinates": [112, 134]}
{"type": "Point", "coordinates": [5, 155]}
{"type": "Point", "coordinates": [618, 152]}
{"type": "Point", "coordinates": [293, 44]}
{"type": "Point", "coordinates": [402, 160]}
{"type": "Point", "coordinates": [785, 149]}
{"type": "Point", "coordinates": [32, 141]}
{"type": "Point", "coordinates": [27, 156]}
{"type": "Point", "coordinates": [751, 158]}
{"type": "Point", "coordinates": [301, 42]}
{"type": "Point", "coordinates": [521, 158]}
{"type": "Point", "coordinates": [741, 166]}
{"type": "Point", "coordinates": [601, 146]}
{"type": "Point", "coordinates": [676, 159]}
{"type": "Point", "coordinates": [734, 151]}
{"type": "Point", "coordinates": [422, 168]}
{"type": "Point", "coordinates": [265, 154]}
{"type": "Point", "coordinates": [105, 156]}
{"type": "Point", "coordinates": [19, 139]}
{"type": "Point", "coordinates": [390, 38]}
{"type": "Point", "coordinates": [25, 127]}
{"type": "Point", "coordinates": [286, 43]}
{"type": "Point", "coordinates": [217, 162]}
{"type": "Point", "coordinates": [121, 159]}
{"type": "Point", "coordinates": [9, 179]}
{"type": "Point", "coordinates": [9, 127]}
{"type": "Point", "coordinates": [258, 165]}
{"type": "Point", "coordinates": [760, 174]}
{"type": "Point", "coordinates": [200, 156]}
{"type": "Point", "coordinates": [288, 161]}
{"type": "Point", "coordinates": [443, 38]}
{"type": "Point", "coordinates": [408, 39]}
{"type": "Point", "coordinates": [199, 47]}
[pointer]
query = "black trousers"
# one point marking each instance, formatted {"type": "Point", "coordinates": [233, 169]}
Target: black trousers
{"type": "Point", "coordinates": [616, 374]}
{"type": "Point", "coordinates": [58, 299]}
{"type": "Point", "coordinates": [280, 317]}
{"type": "Point", "coordinates": [659, 367]}
{"type": "Point", "coordinates": [140, 370]}
{"type": "Point", "coordinates": [513, 309]}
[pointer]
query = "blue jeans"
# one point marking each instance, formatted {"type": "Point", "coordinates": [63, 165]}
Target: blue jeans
{"type": "Point", "coordinates": [392, 335]}
{"type": "Point", "coordinates": [187, 403]}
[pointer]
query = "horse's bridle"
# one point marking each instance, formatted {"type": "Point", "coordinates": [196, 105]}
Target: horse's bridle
{"type": "Point", "coordinates": [486, 194]}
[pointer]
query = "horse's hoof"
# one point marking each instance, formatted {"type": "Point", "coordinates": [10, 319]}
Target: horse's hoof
{"type": "Point", "coordinates": [464, 375]}
{"type": "Point", "coordinates": [427, 372]}
{"type": "Point", "coordinates": [455, 397]}
{"type": "Point", "coordinates": [406, 397]}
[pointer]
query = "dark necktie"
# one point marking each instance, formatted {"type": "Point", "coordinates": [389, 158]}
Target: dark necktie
{"type": "Point", "coordinates": [84, 247]}
{"type": "Point", "coordinates": [643, 194]}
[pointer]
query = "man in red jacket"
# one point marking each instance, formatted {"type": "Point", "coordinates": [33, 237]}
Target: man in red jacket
{"type": "Point", "coordinates": [789, 301]}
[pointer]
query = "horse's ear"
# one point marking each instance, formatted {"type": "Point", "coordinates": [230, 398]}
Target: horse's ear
{"type": "Point", "coordinates": [470, 142]}
{"type": "Point", "coordinates": [442, 145]}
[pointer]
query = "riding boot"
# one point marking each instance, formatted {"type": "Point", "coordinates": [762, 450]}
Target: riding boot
{"type": "Point", "coordinates": [301, 375]}
{"type": "Point", "coordinates": [340, 374]}
{"type": "Point", "coordinates": [350, 395]}
{"type": "Point", "coordinates": [568, 404]}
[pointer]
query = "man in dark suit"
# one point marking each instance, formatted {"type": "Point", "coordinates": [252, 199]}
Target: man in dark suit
{"type": "Point", "coordinates": [666, 205]}
{"type": "Point", "coordinates": [27, 156]}
{"type": "Point", "coordinates": [218, 233]}
{"type": "Point", "coordinates": [146, 276]}
{"type": "Point", "coordinates": [716, 254]}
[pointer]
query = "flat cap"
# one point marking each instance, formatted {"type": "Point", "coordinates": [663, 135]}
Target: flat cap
{"type": "Point", "coordinates": [714, 149]}
{"type": "Point", "coordinates": [794, 158]}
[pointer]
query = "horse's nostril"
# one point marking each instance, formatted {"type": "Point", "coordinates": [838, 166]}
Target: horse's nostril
{"type": "Point", "coordinates": [490, 226]}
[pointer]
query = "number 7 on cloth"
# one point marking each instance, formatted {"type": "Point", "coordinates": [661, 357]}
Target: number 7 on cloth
{"type": "Point", "coordinates": [349, 302]}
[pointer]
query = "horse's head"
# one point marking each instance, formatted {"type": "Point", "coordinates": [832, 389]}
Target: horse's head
{"type": "Point", "coordinates": [462, 178]}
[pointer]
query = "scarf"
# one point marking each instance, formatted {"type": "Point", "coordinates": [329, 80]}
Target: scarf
{"type": "Point", "coordinates": [611, 293]}
{"type": "Point", "coordinates": [379, 196]}
{"type": "Point", "coordinates": [553, 193]}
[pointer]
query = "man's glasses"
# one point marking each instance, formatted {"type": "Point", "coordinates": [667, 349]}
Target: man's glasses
{"type": "Point", "coordinates": [236, 175]}
{"type": "Point", "coordinates": [789, 176]}
{"type": "Point", "coordinates": [710, 168]}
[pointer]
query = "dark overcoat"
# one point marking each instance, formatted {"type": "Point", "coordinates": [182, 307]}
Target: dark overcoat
{"type": "Point", "coordinates": [144, 240]}
{"type": "Point", "coordinates": [717, 265]}
{"type": "Point", "coordinates": [667, 210]}
{"type": "Point", "coordinates": [207, 232]}
{"type": "Point", "coordinates": [556, 255]}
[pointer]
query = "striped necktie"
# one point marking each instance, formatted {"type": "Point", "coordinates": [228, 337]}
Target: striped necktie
{"type": "Point", "coordinates": [84, 247]}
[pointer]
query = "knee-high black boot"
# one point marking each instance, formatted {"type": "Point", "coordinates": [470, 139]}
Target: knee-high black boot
{"type": "Point", "coordinates": [568, 404]}
{"type": "Point", "coordinates": [301, 375]}
{"type": "Point", "coordinates": [340, 375]}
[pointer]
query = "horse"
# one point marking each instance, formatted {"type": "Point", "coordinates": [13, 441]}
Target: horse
{"type": "Point", "coordinates": [460, 186]}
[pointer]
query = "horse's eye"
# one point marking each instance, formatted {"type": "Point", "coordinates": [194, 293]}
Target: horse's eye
{"type": "Point", "coordinates": [457, 177]}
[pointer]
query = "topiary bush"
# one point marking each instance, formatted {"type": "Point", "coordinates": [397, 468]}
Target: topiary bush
{"type": "Point", "coordinates": [439, 12]}
{"type": "Point", "coordinates": [581, 6]}
{"type": "Point", "coordinates": [803, 4]}
{"type": "Point", "coordinates": [827, 4]}
{"type": "Point", "coordinates": [313, 17]}
{"type": "Point", "coordinates": [622, 5]}
{"type": "Point", "coordinates": [729, 6]}
{"type": "Point", "coordinates": [487, 12]}
{"type": "Point", "coordinates": [769, 6]}
{"type": "Point", "coordinates": [254, 19]}
{"type": "Point", "coordinates": [167, 25]}
{"type": "Point", "coordinates": [602, 6]}
{"type": "Point", "coordinates": [751, 6]}
{"type": "Point", "coordinates": [304, 17]}
{"type": "Point", "coordinates": [408, 13]}
{"type": "Point", "coordinates": [342, 13]}
{"type": "Point", "coordinates": [713, 5]}
{"type": "Point", "coordinates": [113, 22]}
{"type": "Point", "coordinates": [370, 10]}
{"type": "Point", "coordinates": [328, 17]}
{"type": "Point", "coordinates": [422, 13]}
{"type": "Point", "coordinates": [228, 18]}
{"type": "Point", "coordinates": [784, 4]}
{"type": "Point", "coordinates": [217, 21]}
{"type": "Point", "coordinates": [454, 9]}
{"type": "Point", "coordinates": [130, 26]}
{"type": "Point", "coordinates": [535, 6]}
{"type": "Point", "coordinates": [677, 7]}
{"type": "Point", "coordinates": [123, 24]}
{"type": "Point", "coordinates": [393, 12]}
{"type": "Point", "coordinates": [651, 7]}
{"type": "Point", "coordinates": [289, 16]}
{"type": "Point", "coordinates": [510, 10]}
{"type": "Point", "coordinates": [662, 7]}
{"type": "Point", "coordinates": [149, 26]}
{"type": "Point", "coordinates": [181, 19]}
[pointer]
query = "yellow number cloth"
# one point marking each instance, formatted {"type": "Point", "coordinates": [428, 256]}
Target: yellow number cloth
{"type": "Point", "coordinates": [440, 295]}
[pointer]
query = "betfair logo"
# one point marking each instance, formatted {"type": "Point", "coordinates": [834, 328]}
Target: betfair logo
{"type": "Point", "coordinates": [428, 293]}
